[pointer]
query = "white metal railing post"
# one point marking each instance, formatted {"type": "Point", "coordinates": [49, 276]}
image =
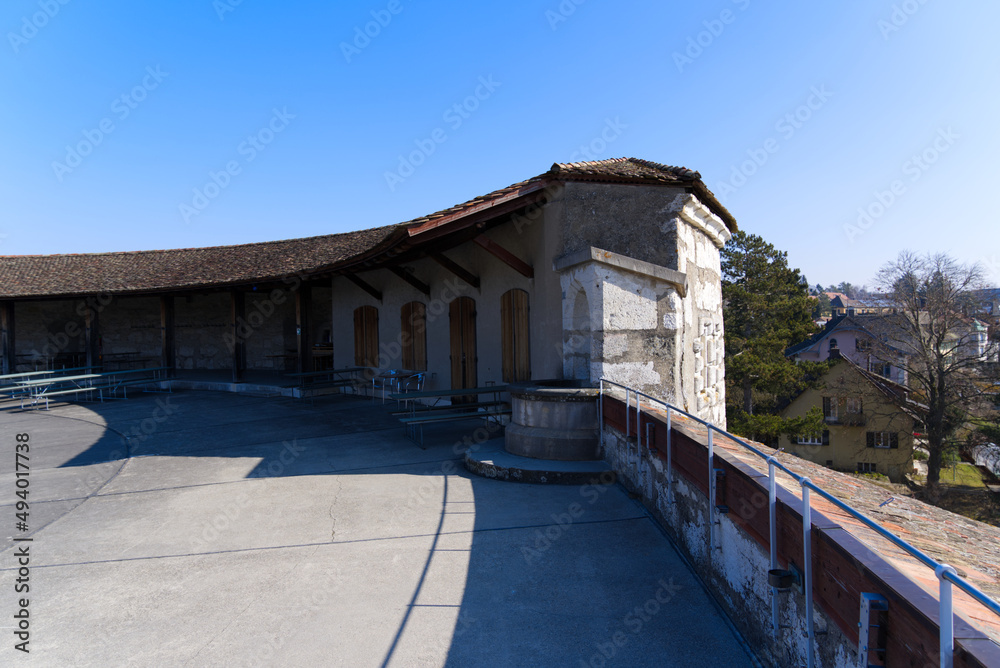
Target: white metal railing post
{"type": "Point", "coordinates": [600, 413]}
{"type": "Point", "coordinates": [947, 615]}
{"type": "Point", "coordinates": [772, 514]}
{"type": "Point", "coordinates": [711, 494]}
{"type": "Point", "coordinates": [670, 469]}
{"type": "Point", "coordinates": [638, 434]}
{"type": "Point", "coordinates": [807, 585]}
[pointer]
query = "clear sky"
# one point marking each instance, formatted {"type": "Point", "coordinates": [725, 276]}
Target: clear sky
{"type": "Point", "coordinates": [129, 126]}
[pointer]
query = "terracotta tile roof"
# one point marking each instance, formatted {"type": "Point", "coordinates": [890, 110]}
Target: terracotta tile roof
{"type": "Point", "coordinates": [142, 271]}
{"type": "Point", "coordinates": [219, 266]}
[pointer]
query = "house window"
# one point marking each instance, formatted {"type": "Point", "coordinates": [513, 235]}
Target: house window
{"type": "Point", "coordinates": [881, 368]}
{"type": "Point", "coordinates": [863, 345]}
{"type": "Point", "coordinates": [514, 336]}
{"type": "Point", "coordinates": [366, 336]}
{"type": "Point", "coordinates": [831, 412]}
{"type": "Point", "coordinates": [852, 405]}
{"type": "Point", "coordinates": [882, 439]}
{"type": "Point", "coordinates": [866, 467]}
{"type": "Point", "coordinates": [413, 336]}
{"type": "Point", "coordinates": [814, 439]}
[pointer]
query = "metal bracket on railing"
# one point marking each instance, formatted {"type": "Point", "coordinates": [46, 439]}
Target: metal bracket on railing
{"type": "Point", "coordinates": [723, 507]}
{"type": "Point", "coordinates": [871, 603]}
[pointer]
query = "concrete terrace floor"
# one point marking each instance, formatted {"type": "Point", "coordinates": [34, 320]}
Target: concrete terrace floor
{"type": "Point", "coordinates": [238, 530]}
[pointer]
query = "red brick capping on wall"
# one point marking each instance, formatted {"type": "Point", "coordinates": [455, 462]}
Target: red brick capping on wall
{"type": "Point", "coordinates": [843, 566]}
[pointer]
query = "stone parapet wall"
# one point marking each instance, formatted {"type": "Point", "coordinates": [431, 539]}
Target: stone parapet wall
{"type": "Point", "coordinates": [736, 570]}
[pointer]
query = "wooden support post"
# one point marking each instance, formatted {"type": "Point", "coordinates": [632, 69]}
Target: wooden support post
{"type": "Point", "coordinates": [8, 361]}
{"type": "Point", "coordinates": [303, 304]}
{"type": "Point", "coordinates": [505, 256]}
{"type": "Point", "coordinates": [361, 283]}
{"type": "Point", "coordinates": [168, 357]}
{"type": "Point", "coordinates": [411, 279]}
{"type": "Point", "coordinates": [238, 342]}
{"type": "Point", "coordinates": [92, 336]}
{"type": "Point", "coordinates": [456, 269]}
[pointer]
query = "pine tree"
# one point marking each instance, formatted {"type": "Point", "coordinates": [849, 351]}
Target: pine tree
{"type": "Point", "coordinates": [766, 309]}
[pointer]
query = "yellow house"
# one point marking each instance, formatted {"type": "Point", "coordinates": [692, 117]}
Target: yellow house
{"type": "Point", "coordinates": [868, 427]}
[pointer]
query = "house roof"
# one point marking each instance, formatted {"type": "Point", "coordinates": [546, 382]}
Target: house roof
{"type": "Point", "coordinates": [25, 276]}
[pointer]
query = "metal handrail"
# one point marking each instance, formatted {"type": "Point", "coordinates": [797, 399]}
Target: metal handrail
{"type": "Point", "coordinates": [946, 574]}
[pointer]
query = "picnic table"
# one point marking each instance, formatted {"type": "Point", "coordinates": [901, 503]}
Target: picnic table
{"type": "Point", "coordinates": [414, 422]}
{"type": "Point", "coordinates": [344, 377]}
{"type": "Point", "coordinates": [40, 388]}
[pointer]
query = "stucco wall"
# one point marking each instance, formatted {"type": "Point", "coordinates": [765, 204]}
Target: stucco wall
{"type": "Point", "coordinates": [848, 443]}
{"type": "Point", "coordinates": [523, 238]}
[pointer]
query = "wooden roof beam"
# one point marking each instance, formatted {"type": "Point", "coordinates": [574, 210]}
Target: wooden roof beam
{"type": "Point", "coordinates": [364, 285]}
{"type": "Point", "coordinates": [456, 269]}
{"type": "Point", "coordinates": [505, 256]}
{"type": "Point", "coordinates": [411, 279]}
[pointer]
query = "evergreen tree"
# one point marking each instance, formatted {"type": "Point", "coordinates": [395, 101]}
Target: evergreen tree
{"type": "Point", "coordinates": [766, 309]}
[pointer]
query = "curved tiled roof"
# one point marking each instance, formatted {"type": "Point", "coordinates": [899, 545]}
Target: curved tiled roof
{"type": "Point", "coordinates": [186, 268]}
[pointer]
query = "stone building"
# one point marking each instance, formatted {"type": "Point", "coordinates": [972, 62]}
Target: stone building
{"type": "Point", "coordinates": [594, 269]}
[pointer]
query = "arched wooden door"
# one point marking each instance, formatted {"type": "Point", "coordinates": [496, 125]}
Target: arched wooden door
{"type": "Point", "coordinates": [462, 317]}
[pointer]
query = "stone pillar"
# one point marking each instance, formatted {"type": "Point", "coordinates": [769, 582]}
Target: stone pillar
{"type": "Point", "coordinates": [303, 304]}
{"type": "Point", "coordinates": [239, 312]}
{"type": "Point", "coordinates": [168, 354]}
{"type": "Point", "coordinates": [8, 362]}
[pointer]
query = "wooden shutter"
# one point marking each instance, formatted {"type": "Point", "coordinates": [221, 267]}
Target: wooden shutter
{"type": "Point", "coordinates": [413, 318]}
{"type": "Point", "coordinates": [826, 437]}
{"type": "Point", "coordinates": [366, 336]}
{"type": "Point", "coordinates": [371, 336]}
{"type": "Point", "coordinates": [507, 336]}
{"type": "Point", "coordinates": [871, 439]}
{"type": "Point", "coordinates": [359, 337]}
{"type": "Point", "coordinates": [522, 337]}
{"type": "Point", "coordinates": [894, 440]}
{"type": "Point", "coordinates": [515, 336]}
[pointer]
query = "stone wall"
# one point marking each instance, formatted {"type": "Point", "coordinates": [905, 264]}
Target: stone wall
{"type": "Point", "coordinates": [132, 325]}
{"type": "Point", "coordinates": [663, 338]}
{"type": "Point", "coordinates": [201, 325]}
{"type": "Point", "coordinates": [735, 567]}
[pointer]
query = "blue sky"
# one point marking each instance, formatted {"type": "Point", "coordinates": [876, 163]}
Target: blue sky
{"type": "Point", "coordinates": [840, 132]}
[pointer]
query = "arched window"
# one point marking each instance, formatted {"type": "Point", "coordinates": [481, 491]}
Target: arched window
{"type": "Point", "coordinates": [413, 336]}
{"type": "Point", "coordinates": [514, 336]}
{"type": "Point", "coordinates": [366, 336]}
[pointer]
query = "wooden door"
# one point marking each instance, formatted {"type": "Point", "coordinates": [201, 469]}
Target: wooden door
{"type": "Point", "coordinates": [514, 336]}
{"type": "Point", "coordinates": [462, 321]}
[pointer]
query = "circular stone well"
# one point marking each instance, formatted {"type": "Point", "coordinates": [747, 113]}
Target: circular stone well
{"type": "Point", "coordinates": [554, 419]}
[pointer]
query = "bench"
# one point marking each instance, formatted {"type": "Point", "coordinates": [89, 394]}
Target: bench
{"type": "Point", "coordinates": [421, 409]}
{"type": "Point", "coordinates": [58, 393]}
{"type": "Point", "coordinates": [414, 424]}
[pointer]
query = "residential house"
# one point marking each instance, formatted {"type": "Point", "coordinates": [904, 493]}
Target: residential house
{"type": "Point", "coordinates": [868, 420]}
{"type": "Point", "coordinates": [855, 338]}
